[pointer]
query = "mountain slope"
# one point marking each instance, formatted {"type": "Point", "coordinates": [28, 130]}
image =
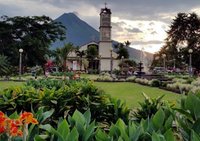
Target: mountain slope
{"type": "Point", "coordinates": [78, 32]}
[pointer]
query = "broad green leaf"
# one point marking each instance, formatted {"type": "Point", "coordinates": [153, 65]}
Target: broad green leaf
{"type": "Point", "coordinates": [14, 115]}
{"type": "Point", "coordinates": [101, 136]}
{"type": "Point", "coordinates": [87, 116]}
{"type": "Point", "coordinates": [195, 136]}
{"type": "Point", "coordinates": [51, 130]}
{"type": "Point", "coordinates": [47, 114]}
{"type": "Point", "coordinates": [114, 131]}
{"type": "Point", "coordinates": [155, 137]}
{"type": "Point", "coordinates": [189, 104]}
{"type": "Point", "coordinates": [168, 122]}
{"type": "Point", "coordinates": [158, 119]}
{"type": "Point", "coordinates": [120, 139]}
{"type": "Point", "coordinates": [135, 136]}
{"type": "Point", "coordinates": [73, 136]}
{"type": "Point", "coordinates": [131, 129]}
{"type": "Point", "coordinates": [63, 129]}
{"type": "Point", "coordinates": [122, 127]}
{"type": "Point", "coordinates": [78, 117]}
{"type": "Point", "coordinates": [38, 138]}
{"type": "Point", "coordinates": [169, 136]}
{"type": "Point", "coordinates": [196, 126]}
{"type": "Point", "coordinates": [89, 131]}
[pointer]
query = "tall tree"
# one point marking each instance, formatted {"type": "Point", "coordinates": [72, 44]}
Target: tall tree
{"type": "Point", "coordinates": [184, 34]}
{"type": "Point", "coordinates": [33, 34]}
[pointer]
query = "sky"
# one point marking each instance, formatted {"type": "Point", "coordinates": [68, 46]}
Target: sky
{"type": "Point", "coordinates": [142, 22]}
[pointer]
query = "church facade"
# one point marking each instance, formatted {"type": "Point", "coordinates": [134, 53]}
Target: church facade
{"type": "Point", "coordinates": [106, 58]}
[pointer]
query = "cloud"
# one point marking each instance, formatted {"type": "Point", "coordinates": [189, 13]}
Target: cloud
{"type": "Point", "coordinates": [154, 32]}
{"type": "Point", "coordinates": [133, 20]}
{"type": "Point", "coordinates": [134, 30]}
{"type": "Point", "coordinates": [147, 42]}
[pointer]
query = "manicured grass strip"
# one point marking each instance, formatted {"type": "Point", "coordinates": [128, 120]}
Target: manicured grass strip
{"type": "Point", "coordinates": [132, 92]}
{"type": "Point", "coordinates": [6, 84]}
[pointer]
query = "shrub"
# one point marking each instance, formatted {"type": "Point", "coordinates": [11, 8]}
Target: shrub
{"type": "Point", "coordinates": [105, 77]}
{"type": "Point", "coordinates": [179, 87]}
{"type": "Point", "coordinates": [196, 82]}
{"type": "Point", "coordinates": [131, 78]}
{"type": "Point", "coordinates": [179, 80]}
{"type": "Point", "coordinates": [155, 83]}
{"type": "Point", "coordinates": [142, 81]}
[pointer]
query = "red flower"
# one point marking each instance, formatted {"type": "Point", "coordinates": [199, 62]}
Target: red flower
{"type": "Point", "coordinates": [27, 118]}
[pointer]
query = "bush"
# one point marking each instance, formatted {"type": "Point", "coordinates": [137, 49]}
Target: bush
{"type": "Point", "coordinates": [142, 81]}
{"type": "Point", "coordinates": [131, 78]}
{"type": "Point", "coordinates": [155, 83]}
{"type": "Point", "coordinates": [105, 77]}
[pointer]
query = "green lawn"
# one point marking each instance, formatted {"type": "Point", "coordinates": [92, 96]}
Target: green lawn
{"type": "Point", "coordinates": [132, 92]}
{"type": "Point", "coordinates": [6, 84]}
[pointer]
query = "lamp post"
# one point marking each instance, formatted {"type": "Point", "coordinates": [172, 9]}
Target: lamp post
{"type": "Point", "coordinates": [190, 62]}
{"type": "Point", "coordinates": [122, 63]}
{"type": "Point", "coordinates": [111, 61]}
{"type": "Point", "coordinates": [174, 64]}
{"type": "Point", "coordinates": [164, 56]}
{"type": "Point", "coordinates": [20, 62]}
{"type": "Point", "coordinates": [99, 63]}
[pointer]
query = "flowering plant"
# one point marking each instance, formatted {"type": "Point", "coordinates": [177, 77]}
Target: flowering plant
{"type": "Point", "coordinates": [16, 127]}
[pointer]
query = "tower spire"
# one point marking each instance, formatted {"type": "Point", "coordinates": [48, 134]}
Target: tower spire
{"type": "Point", "coordinates": [105, 4]}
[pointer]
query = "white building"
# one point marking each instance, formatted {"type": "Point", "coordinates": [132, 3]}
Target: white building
{"type": "Point", "coordinates": [106, 60]}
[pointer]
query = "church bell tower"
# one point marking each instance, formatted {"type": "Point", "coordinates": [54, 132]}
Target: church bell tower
{"type": "Point", "coordinates": [105, 43]}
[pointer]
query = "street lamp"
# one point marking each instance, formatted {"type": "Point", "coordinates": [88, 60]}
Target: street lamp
{"type": "Point", "coordinates": [164, 56]}
{"type": "Point", "coordinates": [111, 61]}
{"type": "Point", "coordinates": [99, 63]}
{"type": "Point", "coordinates": [190, 62]}
{"type": "Point", "coordinates": [122, 63]}
{"type": "Point", "coordinates": [174, 64]}
{"type": "Point", "coordinates": [20, 62]}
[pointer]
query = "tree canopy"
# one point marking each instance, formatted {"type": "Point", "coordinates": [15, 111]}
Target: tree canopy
{"type": "Point", "coordinates": [184, 34]}
{"type": "Point", "coordinates": [121, 50]}
{"type": "Point", "coordinates": [33, 34]}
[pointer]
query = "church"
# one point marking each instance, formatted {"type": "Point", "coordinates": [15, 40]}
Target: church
{"type": "Point", "coordinates": [106, 58]}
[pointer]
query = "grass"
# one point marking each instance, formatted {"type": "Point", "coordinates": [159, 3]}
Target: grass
{"type": "Point", "coordinates": [131, 93]}
{"type": "Point", "coordinates": [6, 84]}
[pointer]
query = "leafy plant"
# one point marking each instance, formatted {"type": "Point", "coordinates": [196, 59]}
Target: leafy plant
{"type": "Point", "coordinates": [64, 97]}
{"type": "Point", "coordinates": [188, 117]}
{"type": "Point", "coordinates": [148, 108]}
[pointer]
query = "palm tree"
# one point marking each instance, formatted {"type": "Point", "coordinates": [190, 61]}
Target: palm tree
{"type": "Point", "coordinates": [61, 55]}
{"type": "Point", "coordinates": [80, 54]}
{"type": "Point", "coordinates": [92, 53]}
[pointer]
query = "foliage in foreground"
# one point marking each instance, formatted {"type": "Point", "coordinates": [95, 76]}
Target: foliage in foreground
{"type": "Point", "coordinates": [64, 97]}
